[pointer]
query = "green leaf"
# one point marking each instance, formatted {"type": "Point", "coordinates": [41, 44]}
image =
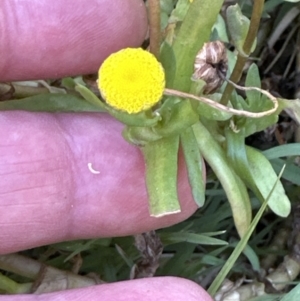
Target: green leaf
{"type": "Point", "coordinates": [286, 150]}
{"type": "Point", "coordinates": [236, 153]}
{"type": "Point", "coordinates": [255, 102]}
{"type": "Point", "coordinates": [291, 172]}
{"type": "Point", "coordinates": [178, 117]}
{"type": "Point", "coordinates": [251, 256]}
{"type": "Point", "coordinates": [220, 29]}
{"type": "Point", "coordinates": [168, 60]}
{"type": "Point", "coordinates": [140, 135]}
{"type": "Point", "coordinates": [265, 177]}
{"type": "Point", "coordinates": [161, 175]}
{"type": "Point", "coordinates": [129, 262]}
{"type": "Point", "coordinates": [89, 96]}
{"type": "Point", "coordinates": [194, 164]}
{"type": "Point", "coordinates": [234, 187]}
{"type": "Point", "coordinates": [145, 118]}
{"type": "Point", "coordinates": [50, 103]}
{"type": "Point", "coordinates": [238, 26]}
{"type": "Point", "coordinates": [9, 286]}
{"type": "Point", "coordinates": [254, 125]}
{"type": "Point", "coordinates": [180, 11]}
{"type": "Point", "coordinates": [68, 82]}
{"type": "Point", "coordinates": [241, 245]}
{"type": "Point", "coordinates": [176, 265]}
{"type": "Point", "coordinates": [167, 5]}
{"type": "Point", "coordinates": [212, 113]}
{"type": "Point", "coordinates": [293, 295]}
{"type": "Point", "coordinates": [253, 80]}
{"type": "Point", "coordinates": [292, 107]}
{"type": "Point", "coordinates": [271, 4]}
{"type": "Point", "coordinates": [268, 297]}
{"type": "Point", "coordinates": [83, 247]}
{"type": "Point", "coordinates": [256, 171]}
{"type": "Point", "coordinates": [194, 32]}
{"type": "Point", "coordinates": [194, 238]}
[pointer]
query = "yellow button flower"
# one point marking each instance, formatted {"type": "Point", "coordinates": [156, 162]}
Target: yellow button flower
{"type": "Point", "coordinates": [131, 80]}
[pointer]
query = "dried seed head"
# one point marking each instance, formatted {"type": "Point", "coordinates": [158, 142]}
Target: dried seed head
{"type": "Point", "coordinates": [211, 65]}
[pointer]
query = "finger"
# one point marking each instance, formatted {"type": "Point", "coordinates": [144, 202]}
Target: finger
{"type": "Point", "coordinates": [53, 39]}
{"type": "Point", "coordinates": [48, 193]}
{"type": "Point", "coordinates": [151, 289]}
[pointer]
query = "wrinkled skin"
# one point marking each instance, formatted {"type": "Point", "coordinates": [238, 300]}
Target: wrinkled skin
{"type": "Point", "coordinates": [47, 192]}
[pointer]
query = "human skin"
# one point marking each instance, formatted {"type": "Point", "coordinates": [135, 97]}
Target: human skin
{"type": "Point", "coordinates": [47, 192]}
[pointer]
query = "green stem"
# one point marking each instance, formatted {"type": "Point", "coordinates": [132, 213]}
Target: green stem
{"type": "Point", "coordinates": [154, 25]}
{"type": "Point", "coordinates": [241, 60]}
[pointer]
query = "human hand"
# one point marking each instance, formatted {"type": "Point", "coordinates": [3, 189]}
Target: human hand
{"type": "Point", "coordinates": [47, 192]}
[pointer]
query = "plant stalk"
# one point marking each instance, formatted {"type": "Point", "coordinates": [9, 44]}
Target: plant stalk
{"type": "Point", "coordinates": [241, 60]}
{"type": "Point", "coordinates": [154, 26]}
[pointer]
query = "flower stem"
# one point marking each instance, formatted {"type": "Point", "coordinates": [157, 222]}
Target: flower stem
{"type": "Point", "coordinates": [223, 108]}
{"type": "Point", "coordinates": [241, 60]}
{"type": "Point", "coordinates": [154, 25]}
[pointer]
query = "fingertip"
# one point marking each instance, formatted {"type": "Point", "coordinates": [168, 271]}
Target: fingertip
{"type": "Point", "coordinates": [47, 184]}
{"type": "Point", "coordinates": [53, 39]}
{"type": "Point", "coordinates": [147, 289]}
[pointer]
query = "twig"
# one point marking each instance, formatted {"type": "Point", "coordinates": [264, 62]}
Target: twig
{"type": "Point", "coordinates": [241, 60]}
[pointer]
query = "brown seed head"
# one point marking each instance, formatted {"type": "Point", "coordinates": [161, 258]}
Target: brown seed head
{"type": "Point", "coordinates": [211, 65]}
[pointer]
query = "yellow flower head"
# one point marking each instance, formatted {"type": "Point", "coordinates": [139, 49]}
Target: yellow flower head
{"type": "Point", "coordinates": [131, 80]}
